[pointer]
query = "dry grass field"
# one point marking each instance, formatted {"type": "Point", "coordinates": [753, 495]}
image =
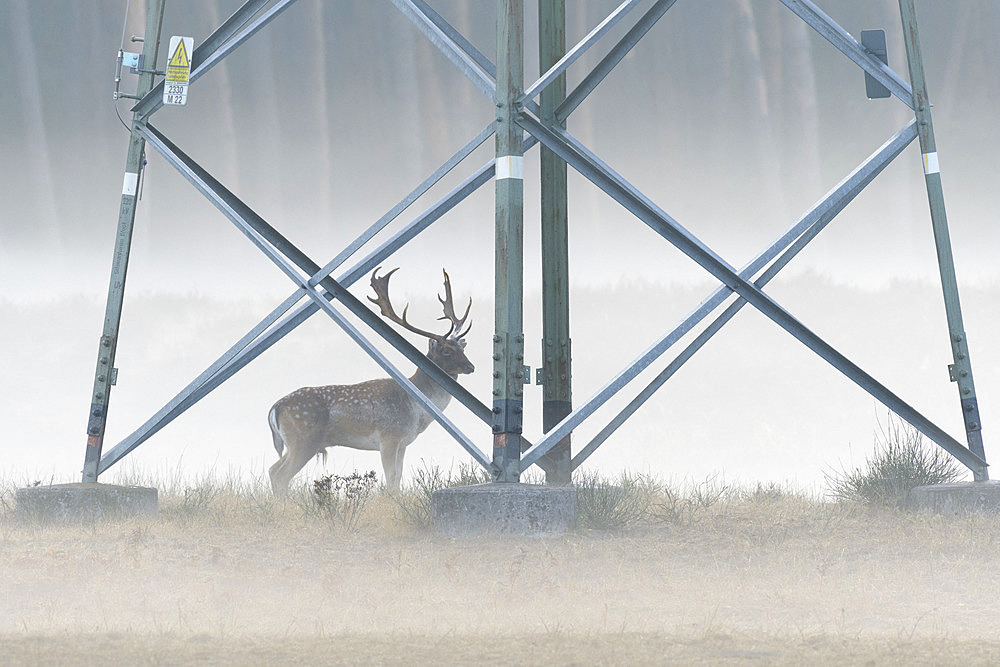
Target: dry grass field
{"type": "Point", "coordinates": [709, 575]}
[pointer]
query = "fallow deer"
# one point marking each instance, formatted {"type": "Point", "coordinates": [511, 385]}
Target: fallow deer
{"type": "Point", "coordinates": [373, 415]}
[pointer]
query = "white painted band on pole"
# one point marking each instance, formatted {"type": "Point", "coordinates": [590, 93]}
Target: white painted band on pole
{"type": "Point", "coordinates": [510, 166]}
{"type": "Point", "coordinates": [131, 180]}
{"type": "Point", "coordinates": [931, 163]}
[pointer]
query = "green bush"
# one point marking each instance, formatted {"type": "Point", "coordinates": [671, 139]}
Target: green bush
{"type": "Point", "coordinates": [901, 461]}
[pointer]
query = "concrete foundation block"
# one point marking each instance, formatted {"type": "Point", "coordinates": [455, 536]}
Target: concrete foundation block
{"type": "Point", "coordinates": [958, 497]}
{"type": "Point", "coordinates": [503, 509]}
{"type": "Point", "coordinates": [85, 502]}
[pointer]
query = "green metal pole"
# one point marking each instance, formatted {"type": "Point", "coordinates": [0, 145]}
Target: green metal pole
{"type": "Point", "coordinates": [961, 370]}
{"type": "Point", "coordinates": [556, 366]}
{"type": "Point", "coordinates": [104, 375]}
{"type": "Point", "coordinates": [508, 339]}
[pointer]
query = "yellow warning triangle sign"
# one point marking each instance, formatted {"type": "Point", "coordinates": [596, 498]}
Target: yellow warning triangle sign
{"type": "Point", "coordinates": [180, 57]}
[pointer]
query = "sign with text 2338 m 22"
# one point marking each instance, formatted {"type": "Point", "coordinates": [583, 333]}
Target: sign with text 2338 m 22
{"type": "Point", "coordinates": [175, 86]}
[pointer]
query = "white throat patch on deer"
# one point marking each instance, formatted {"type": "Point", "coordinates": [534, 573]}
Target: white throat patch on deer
{"type": "Point", "coordinates": [373, 415]}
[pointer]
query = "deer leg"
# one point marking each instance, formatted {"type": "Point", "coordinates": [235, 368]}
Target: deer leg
{"type": "Point", "coordinates": [400, 451]}
{"type": "Point", "coordinates": [282, 472]}
{"type": "Point", "coordinates": [392, 465]}
{"type": "Point", "coordinates": [274, 473]}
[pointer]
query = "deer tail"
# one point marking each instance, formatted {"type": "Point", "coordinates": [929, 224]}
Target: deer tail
{"type": "Point", "coordinates": [272, 420]}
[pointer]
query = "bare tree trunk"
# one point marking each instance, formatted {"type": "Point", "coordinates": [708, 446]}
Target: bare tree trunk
{"type": "Point", "coordinates": [222, 82]}
{"type": "Point", "coordinates": [466, 95]}
{"type": "Point", "coordinates": [759, 110]}
{"type": "Point", "coordinates": [270, 174]}
{"type": "Point", "coordinates": [581, 123]}
{"type": "Point", "coordinates": [325, 19]}
{"type": "Point", "coordinates": [904, 219]}
{"type": "Point", "coordinates": [45, 223]}
{"type": "Point", "coordinates": [803, 122]}
{"type": "Point", "coordinates": [432, 93]}
{"type": "Point", "coordinates": [965, 29]}
{"type": "Point", "coordinates": [406, 82]}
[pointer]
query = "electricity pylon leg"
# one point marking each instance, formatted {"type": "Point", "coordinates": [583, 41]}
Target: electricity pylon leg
{"type": "Point", "coordinates": [105, 374]}
{"type": "Point", "coordinates": [961, 370]}
{"type": "Point", "coordinates": [556, 351]}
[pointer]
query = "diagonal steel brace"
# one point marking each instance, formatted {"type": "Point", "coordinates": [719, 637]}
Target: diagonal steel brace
{"type": "Point", "coordinates": [226, 39]}
{"type": "Point", "coordinates": [243, 352]}
{"type": "Point", "coordinates": [844, 42]}
{"type": "Point", "coordinates": [817, 218]}
{"type": "Point", "coordinates": [444, 42]}
{"type": "Point", "coordinates": [265, 237]}
{"type": "Point", "coordinates": [570, 150]}
{"type": "Point", "coordinates": [827, 207]}
{"type": "Point", "coordinates": [577, 51]}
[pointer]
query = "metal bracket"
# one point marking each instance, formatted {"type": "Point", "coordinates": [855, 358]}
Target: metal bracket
{"type": "Point", "coordinates": [970, 411]}
{"type": "Point", "coordinates": [951, 373]}
{"type": "Point", "coordinates": [520, 371]}
{"type": "Point", "coordinates": [556, 362]}
{"type": "Point", "coordinates": [131, 60]}
{"type": "Point", "coordinates": [540, 375]}
{"type": "Point", "coordinates": [114, 376]}
{"type": "Point", "coordinates": [508, 416]}
{"type": "Point", "coordinates": [499, 348]}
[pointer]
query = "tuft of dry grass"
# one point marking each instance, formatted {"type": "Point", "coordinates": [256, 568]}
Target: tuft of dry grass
{"type": "Point", "coordinates": [901, 462]}
{"type": "Point", "coordinates": [617, 503]}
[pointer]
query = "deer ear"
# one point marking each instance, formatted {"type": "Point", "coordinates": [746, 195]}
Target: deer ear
{"type": "Point", "coordinates": [431, 344]}
{"type": "Point", "coordinates": [461, 343]}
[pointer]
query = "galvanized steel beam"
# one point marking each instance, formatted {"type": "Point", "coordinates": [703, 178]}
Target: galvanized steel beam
{"type": "Point", "coordinates": [850, 47]}
{"type": "Point", "coordinates": [276, 247]}
{"type": "Point", "coordinates": [245, 350]}
{"type": "Point", "coordinates": [574, 54]}
{"type": "Point", "coordinates": [104, 375]}
{"type": "Point", "coordinates": [405, 202]}
{"type": "Point", "coordinates": [961, 370]}
{"type": "Point", "coordinates": [615, 56]}
{"type": "Point", "coordinates": [508, 337]}
{"type": "Point", "coordinates": [227, 30]}
{"type": "Point", "coordinates": [556, 371]}
{"type": "Point", "coordinates": [659, 221]}
{"type": "Point", "coordinates": [713, 301]}
{"type": "Point", "coordinates": [810, 225]}
{"type": "Point", "coordinates": [173, 408]}
{"type": "Point", "coordinates": [444, 42]}
{"type": "Point", "coordinates": [485, 63]}
{"type": "Point", "coordinates": [191, 395]}
{"type": "Point", "coordinates": [226, 39]}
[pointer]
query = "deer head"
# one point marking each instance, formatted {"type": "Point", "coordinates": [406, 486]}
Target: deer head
{"type": "Point", "coordinates": [447, 350]}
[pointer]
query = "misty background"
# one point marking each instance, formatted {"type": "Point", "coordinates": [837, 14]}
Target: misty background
{"type": "Point", "coordinates": [732, 115]}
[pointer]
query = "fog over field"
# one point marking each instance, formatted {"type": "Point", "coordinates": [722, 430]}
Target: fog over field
{"type": "Point", "coordinates": [765, 578]}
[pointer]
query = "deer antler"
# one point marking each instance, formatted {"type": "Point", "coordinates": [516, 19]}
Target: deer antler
{"type": "Point", "coordinates": [381, 287]}
{"type": "Point", "coordinates": [449, 310]}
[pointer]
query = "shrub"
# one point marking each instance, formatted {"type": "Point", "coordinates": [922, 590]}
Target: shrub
{"type": "Point", "coordinates": [900, 462]}
{"type": "Point", "coordinates": [344, 498]}
{"type": "Point", "coordinates": [613, 504]}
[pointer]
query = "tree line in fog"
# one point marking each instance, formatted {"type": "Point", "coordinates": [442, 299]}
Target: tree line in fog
{"type": "Point", "coordinates": [352, 86]}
